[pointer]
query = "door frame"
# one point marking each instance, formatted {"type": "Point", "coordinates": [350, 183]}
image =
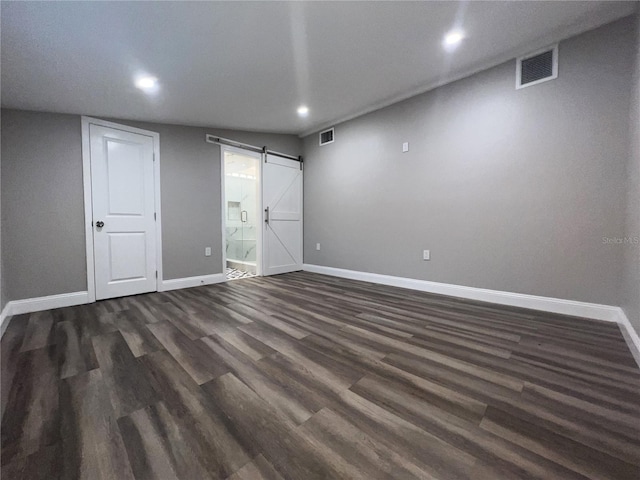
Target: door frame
{"type": "Point", "coordinates": [223, 213]}
{"type": "Point", "coordinates": [88, 197]}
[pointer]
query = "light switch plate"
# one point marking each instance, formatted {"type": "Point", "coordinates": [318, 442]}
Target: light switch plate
{"type": "Point", "coordinates": [405, 147]}
{"type": "Point", "coordinates": [317, 246]}
{"type": "Point", "coordinates": [426, 255]}
{"type": "Point", "coordinates": [207, 252]}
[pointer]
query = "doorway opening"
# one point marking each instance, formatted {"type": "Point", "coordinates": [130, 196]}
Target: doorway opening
{"type": "Point", "coordinates": [242, 228]}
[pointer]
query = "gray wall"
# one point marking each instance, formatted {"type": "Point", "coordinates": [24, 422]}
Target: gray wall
{"type": "Point", "coordinates": [42, 211]}
{"type": "Point", "coordinates": [511, 190]}
{"type": "Point", "coordinates": [3, 295]}
{"type": "Point", "coordinates": [631, 300]}
{"type": "Point", "coordinates": [42, 200]}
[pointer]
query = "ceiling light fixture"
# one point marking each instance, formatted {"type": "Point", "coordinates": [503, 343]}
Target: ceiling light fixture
{"type": "Point", "coordinates": [452, 39]}
{"type": "Point", "coordinates": [148, 84]}
{"type": "Point", "coordinates": [303, 110]}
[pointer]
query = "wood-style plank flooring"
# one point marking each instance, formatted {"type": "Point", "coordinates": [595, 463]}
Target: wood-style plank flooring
{"type": "Point", "coordinates": [303, 377]}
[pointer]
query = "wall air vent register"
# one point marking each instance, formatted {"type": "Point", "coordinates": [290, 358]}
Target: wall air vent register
{"type": "Point", "coordinates": [537, 67]}
{"type": "Point", "coordinates": [326, 137]}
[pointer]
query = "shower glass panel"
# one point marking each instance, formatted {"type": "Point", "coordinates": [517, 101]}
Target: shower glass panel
{"type": "Point", "coordinates": [241, 206]}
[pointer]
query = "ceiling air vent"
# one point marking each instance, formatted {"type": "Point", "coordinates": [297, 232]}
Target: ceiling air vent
{"type": "Point", "coordinates": [537, 67]}
{"type": "Point", "coordinates": [326, 137]}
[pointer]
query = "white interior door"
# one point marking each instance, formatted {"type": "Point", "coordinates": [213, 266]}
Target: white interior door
{"type": "Point", "coordinates": [282, 201]}
{"type": "Point", "coordinates": [123, 202]}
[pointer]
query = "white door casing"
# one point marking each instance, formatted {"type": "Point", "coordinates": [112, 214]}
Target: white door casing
{"type": "Point", "coordinates": [223, 200]}
{"type": "Point", "coordinates": [282, 202]}
{"type": "Point", "coordinates": [123, 188]}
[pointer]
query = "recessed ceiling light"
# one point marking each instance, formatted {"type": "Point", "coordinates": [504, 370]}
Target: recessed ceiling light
{"type": "Point", "coordinates": [147, 83]}
{"type": "Point", "coordinates": [453, 38]}
{"type": "Point", "coordinates": [303, 110]}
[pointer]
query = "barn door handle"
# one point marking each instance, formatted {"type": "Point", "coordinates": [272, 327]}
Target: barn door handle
{"type": "Point", "coordinates": [99, 224]}
{"type": "Point", "coordinates": [266, 211]}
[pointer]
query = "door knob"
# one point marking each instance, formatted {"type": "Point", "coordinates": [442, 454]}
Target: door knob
{"type": "Point", "coordinates": [99, 224]}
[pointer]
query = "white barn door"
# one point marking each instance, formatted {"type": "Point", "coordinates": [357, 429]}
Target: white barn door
{"type": "Point", "coordinates": [282, 202]}
{"type": "Point", "coordinates": [123, 204]}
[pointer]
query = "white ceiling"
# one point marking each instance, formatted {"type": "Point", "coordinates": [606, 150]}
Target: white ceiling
{"type": "Point", "coordinates": [249, 65]}
{"type": "Point", "coordinates": [238, 164]}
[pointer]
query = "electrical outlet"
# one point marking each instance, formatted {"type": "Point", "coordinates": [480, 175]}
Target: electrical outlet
{"type": "Point", "coordinates": [426, 255]}
{"type": "Point", "coordinates": [317, 246]}
{"type": "Point", "coordinates": [207, 252]}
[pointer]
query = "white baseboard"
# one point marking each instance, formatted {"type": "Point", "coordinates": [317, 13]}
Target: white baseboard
{"type": "Point", "coordinates": [29, 305]}
{"type": "Point", "coordinates": [608, 313]}
{"type": "Point", "coordinates": [4, 319]}
{"type": "Point", "coordinates": [188, 282]}
{"type": "Point", "coordinates": [630, 335]}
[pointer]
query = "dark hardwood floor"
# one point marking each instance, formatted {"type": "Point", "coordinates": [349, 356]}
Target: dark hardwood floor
{"type": "Point", "coordinates": [303, 377]}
